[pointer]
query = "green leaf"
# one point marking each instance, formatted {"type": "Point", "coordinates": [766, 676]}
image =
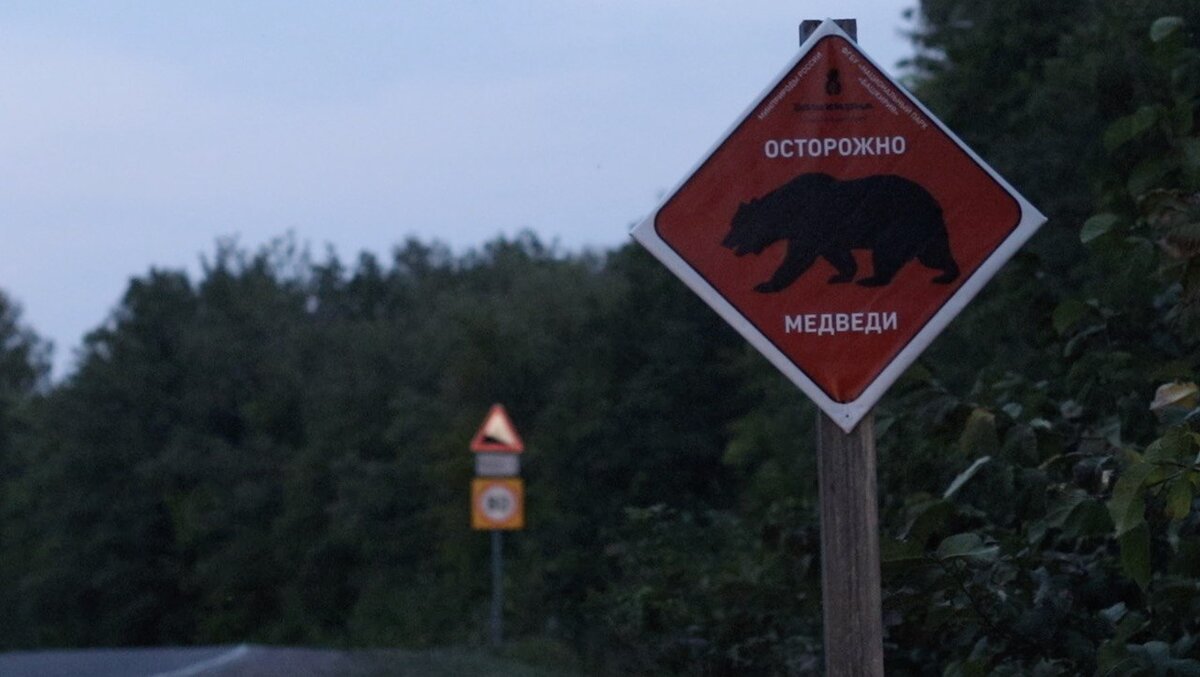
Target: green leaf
{"type": "Point", "coordinates": [1135, 554]}
{"type": "Point", "coordinates": [892, 551]}
{"type": "Point", "coordinates": [1183, 645]}
{"type": "Point", "coordinates": [1191, 152]}
{"type": "Point", "coordinates": [1057, 513]}
{"type": "Point", "coordinates": [1163, 27]}
{"type": "Point", "coordinates": [1176, 395]}
{"type": "Point", "coordinates": [1184, 667]}
{"type": "Point", "coordinates": [1088, 519]}
{"type": "Point", "coordinates": [1186, 234]}
{"type": "Point", "coordinates": [1129, 625]}
{"type": "Point", "coordinates": [1175, 591]}
{"type": "Point", "coordinates": [928, 518]}
{"type": "Point", "coordinates": [968, 545]}
{"type": "Point", "coordinates": [1128, 128]}
{"type": "Point", "coordinates": [1182, 121]}
{"type": "Point", "coordinates": [1048, 668]}
{"type": "Point", "coordinates": [1093, 228]}
{"type": "Point", "coordinates": [1158, 655]}
{"type": "Point", "coordinates": [1175, 446]}
{"type": "Point", "coordinates": [964, 476]}
{"type": "Point", "coordinates": [1114, 613]}
{"type": "Point", "coordinates": [1146, 174]}
{"type": "Point", "coordinates": [1118, 133]}
{"type": "Point", "coordinates": [1111, 661]}
{"type": "Point", "coordinates": [1146, 117]}
{"type": "Point", "coordinates": [979, 434]}
{"type": "Point", "coordinates": [918, 373]}
{"type": "Point", "coordinates": [1127, 507]}
{"type": "Point", "coordinates": [1179, 499]}
{"type": "Point", "coordinates": [1186, 561]}
{"type": "Point", "coordinates": [1081, 338]}
{"type": "Point", "coordinates": [1071, 311]}
{"type": "Point", "coordinates": [966, 668]}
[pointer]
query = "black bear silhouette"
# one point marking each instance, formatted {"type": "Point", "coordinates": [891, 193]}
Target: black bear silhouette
{"type": "Point", "coordinates": [819, 215]}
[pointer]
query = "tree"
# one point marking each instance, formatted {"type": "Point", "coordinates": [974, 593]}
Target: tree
{"type": "Point", "coordinates": [24, 370]}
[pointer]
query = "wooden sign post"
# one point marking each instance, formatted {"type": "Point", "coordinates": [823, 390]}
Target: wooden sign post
{"type": "Point", "coordinates": [850, 581]}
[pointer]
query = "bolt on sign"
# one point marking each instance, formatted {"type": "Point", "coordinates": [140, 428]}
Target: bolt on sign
{"type": "Point", "coordinates": [839, 226]}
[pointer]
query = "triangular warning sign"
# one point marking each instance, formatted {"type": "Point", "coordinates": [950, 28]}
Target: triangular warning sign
{"type": "Point", "coordinates": [497, 434]}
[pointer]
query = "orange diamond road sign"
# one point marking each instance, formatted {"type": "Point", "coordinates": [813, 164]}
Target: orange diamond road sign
{"type": "Point", "coordinates": [839, 226]}
{"type": "Point", "coordinates": [497, 434]}
{"type": "Point", "coordinates": [497, 504]}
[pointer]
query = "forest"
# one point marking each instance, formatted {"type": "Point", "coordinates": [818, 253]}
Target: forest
{"type": "Point", "coordinates": [275, 450]}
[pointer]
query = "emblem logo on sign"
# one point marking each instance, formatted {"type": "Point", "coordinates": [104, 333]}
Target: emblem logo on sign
{"type": "Point", "coordinates": [833, 86]}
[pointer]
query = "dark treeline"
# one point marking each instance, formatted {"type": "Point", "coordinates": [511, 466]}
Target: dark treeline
{"type": "Point", "coordinates": [276, 450]}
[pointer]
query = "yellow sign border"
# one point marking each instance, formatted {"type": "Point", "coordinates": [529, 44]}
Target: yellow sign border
{"type": "Point", "coordinates": [479, 519]}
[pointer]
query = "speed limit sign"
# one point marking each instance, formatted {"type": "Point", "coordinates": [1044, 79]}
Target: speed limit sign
{"type": "Point", "coordinates": [497, 504]}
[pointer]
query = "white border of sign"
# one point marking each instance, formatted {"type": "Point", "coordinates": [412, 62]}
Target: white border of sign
{"type": "Point", "coordinates": [846, 414]}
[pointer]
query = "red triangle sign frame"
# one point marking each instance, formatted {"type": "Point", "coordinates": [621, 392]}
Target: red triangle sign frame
{"type": "Point", "coordinates": [497, 434]}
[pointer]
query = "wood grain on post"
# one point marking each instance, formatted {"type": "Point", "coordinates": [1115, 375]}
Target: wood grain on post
{"type": "Point", "coordinates": [850, 587]}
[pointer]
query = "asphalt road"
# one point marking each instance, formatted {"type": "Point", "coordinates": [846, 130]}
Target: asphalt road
{"type": "Point", "coordinates": [225, 661]}
{"type": "Point", "coordinates": [262, 661]}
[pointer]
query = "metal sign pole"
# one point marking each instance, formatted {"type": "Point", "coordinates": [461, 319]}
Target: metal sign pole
{"type": "Point", "coordinates": [497, 589]}
{"type": "Point", "coordinates": [497, 499]}
{"type": "Point", "coordinates": [851, 598]}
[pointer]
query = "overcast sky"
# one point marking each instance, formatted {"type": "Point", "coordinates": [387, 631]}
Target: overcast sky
{"type": "Point", "coordinates": [134, 134]}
